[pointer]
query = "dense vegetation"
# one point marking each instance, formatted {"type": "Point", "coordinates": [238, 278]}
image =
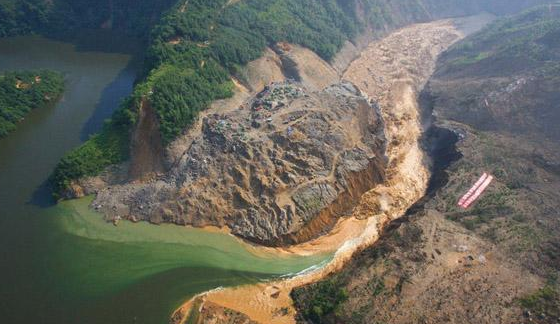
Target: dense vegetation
{"type": "Point", "coordinates": [512, 45]}
{"type": "Point", "coordinates": [108, 147]}
{"type": "Point", "coordinates": [18, 17]}
{"type": "Point", "coordinates": [323, 301]}
{"type": "Point", "coordinates": [20, 92]}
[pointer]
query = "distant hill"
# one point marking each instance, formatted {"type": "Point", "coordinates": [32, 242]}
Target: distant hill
{"type": "Point", "coordinates": [506, 77]}
{"type": "Point", "coordinates": [18, 17]}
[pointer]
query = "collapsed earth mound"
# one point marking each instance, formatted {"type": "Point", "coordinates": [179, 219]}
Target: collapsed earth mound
{"type": "Point", "coordinates": [280, 169]}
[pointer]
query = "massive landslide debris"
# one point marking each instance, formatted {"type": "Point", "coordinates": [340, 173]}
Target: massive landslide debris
{"type": "Point", "coordinates": [280, 169]}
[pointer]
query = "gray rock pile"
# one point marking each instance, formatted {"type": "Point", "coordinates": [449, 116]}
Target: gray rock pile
{"type": "Point", "coordinates": [281, 169]}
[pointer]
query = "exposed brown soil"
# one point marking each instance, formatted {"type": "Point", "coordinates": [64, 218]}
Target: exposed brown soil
{"type": "Point", "coordinates": [313, 71]}
{"type": "Point", "coordinates": [146, 159]}
{"type": "Point", "coordinates": [430, 270]}
{"type": "Point", "coordinates": [414, 50]}
{"type": "Point", "coordinates": [359, 182]}
{"type": "Point", "coordinates": [496, 262]}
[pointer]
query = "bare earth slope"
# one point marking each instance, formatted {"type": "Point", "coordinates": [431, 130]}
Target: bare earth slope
{"type": "Point", "coordinates": [497, 262]}
{"type": "Point", "coordinates": [391, 71]}
{"type": "Point", "coordinates": [429, 270]}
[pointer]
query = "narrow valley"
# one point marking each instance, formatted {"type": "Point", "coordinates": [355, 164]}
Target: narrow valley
{"type": "Point", "coordinates": [279, 161]}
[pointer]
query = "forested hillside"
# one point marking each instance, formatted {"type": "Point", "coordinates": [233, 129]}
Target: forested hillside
{"type": "Point", "coordinates": [198, 44]}
{"type": "Point", "coordinates": [20, 92]}
{"type": "Point", "coordinates": [18, 17]}
{"type": "Point", "coordinates": [526, 49]}
{"type": "Point", "coordinates": [193, 51]}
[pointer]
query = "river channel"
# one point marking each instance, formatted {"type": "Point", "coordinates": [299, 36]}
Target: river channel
{"type": "Point", "coordinates": [62, 263]}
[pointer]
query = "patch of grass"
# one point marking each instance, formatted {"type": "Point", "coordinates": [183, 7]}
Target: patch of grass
{"type": "Point", "coordinates": [546, 301]}
{"type": "Point", "coordinates": [518, 217]}
{"type": "Point", "coordinates": [325, 300]}
{"type": "Point", "coordinates": [491, 234]}
{"type": "Point", "coordinates": [377, 285]}
{"type": "Point", "coordinates": [525, 236]}
{"type": "Point", "coordinates": [470, 59]}
{"type": "Point", "coordinates": [405, 278]}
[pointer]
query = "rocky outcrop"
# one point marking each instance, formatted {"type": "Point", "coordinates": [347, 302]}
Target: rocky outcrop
{"type": "Point", "coordinates": [280, 169]}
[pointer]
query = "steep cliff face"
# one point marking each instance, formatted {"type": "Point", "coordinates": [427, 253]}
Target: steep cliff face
{"type": "Point", "coordinates": [198, 44]}
{"type": "Point", "coordinates": [146, 147]}
{"type": "Point", "coordinates": [255, 212]}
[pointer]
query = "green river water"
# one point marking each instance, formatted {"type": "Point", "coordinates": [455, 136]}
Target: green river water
{"type": "Point", "coordinates": [62, 263]}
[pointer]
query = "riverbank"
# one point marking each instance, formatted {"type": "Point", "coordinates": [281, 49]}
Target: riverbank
{"type": "Point", "coordinates": [95, 82]}
{"type": "Point", "coordinates": [392, 72]}
{"type": "Point", "coordinates": [23, 91]}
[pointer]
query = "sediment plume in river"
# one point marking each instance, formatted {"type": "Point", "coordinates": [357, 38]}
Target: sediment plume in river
{"type": "Point", "coordinates": [392, 72]}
